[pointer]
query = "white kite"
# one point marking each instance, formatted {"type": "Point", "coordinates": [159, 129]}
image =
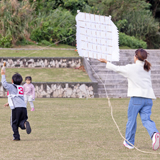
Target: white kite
{"type": "Point", "coordinates": [97, 37]}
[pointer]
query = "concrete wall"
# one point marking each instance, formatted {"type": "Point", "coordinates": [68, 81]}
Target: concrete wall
{"type": "Point", "coordinates": [62, 90]}
{"type": "Point", "coordinates": [53, 89]}
{"type": "Point", "coordinates": [42, 62]}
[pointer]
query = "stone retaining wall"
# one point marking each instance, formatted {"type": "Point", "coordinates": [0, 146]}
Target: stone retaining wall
{"type": "Point", "coordinates": [42, 62]}
{"type": "Point", "coordinates": [62, 90]}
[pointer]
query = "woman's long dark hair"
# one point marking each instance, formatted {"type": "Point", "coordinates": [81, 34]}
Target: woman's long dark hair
{"type": "Point", "coordinates": [141, 54]}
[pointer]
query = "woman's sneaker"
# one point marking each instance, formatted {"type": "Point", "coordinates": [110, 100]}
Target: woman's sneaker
{"type": "Point", "coordinates": [156, 141]}
{"type": "Point", "coordinates": [32, 109]}
{"type": "Point", "coordinates": [127, 146]}
{"type": "Point", "coordinates": [28, 127]}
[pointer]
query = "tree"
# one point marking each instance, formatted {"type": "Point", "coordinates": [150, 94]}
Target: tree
{"type": "Point", "coordinates": [117, 8]}
{"type": "Point", "coordinates": [155, 6]}
{"type": "Point", "coordinates": [55, 26]}
{"type": "Point", "coordinates": [142, 25]}
{"type": "Point", "coordinates": [133, 17]}
{"type": "Point", "coordinates": [15, 18]}
{"type": "Point", "coordinates": [49, 5]}
{"type": "Point", "coordinates": [74, 5]}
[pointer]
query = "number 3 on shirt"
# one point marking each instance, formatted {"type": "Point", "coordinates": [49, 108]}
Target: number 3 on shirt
{"type": "Point", "coordinates": [20, 90]}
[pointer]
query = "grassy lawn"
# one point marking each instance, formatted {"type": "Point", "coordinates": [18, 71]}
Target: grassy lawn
{"type": "Point", "coordinates": [44, 52]}
{"type": "Point", "coordinates": [124, 47]}
{"type": "Point", "coordinates": [50, 74]}
{"type": "Point", "coordinates": [58, 46]}
{"type": "Point", "coordinates": [44, 46]}
{"type": "Point", "coordinates": [75, 129]}
{"type": "Point", "coordinates": [38, 53]}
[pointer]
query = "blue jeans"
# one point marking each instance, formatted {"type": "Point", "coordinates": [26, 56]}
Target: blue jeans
{"type": "Point", "coordinates": [142, 106]}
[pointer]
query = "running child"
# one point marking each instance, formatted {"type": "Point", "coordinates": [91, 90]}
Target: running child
{"type": "Point", "coordinates": [29, 92]}
{"type": "Point", "coordinates": [17, 104]}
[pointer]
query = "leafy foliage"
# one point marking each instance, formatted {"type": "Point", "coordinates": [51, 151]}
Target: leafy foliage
{"type": "Point", "coordinates": [48, 21]}
{"type": "Point", "coordinates": [117, 8]}
{"type": "Point", "coordinates": [5, 42]}
{"type": "Point", "coordinates": [54, 27]}
{"type": "Point", "coordinates": [14, 20]}
{"type": "Point", "coordinates": [131, 41]}
{"type": "Point", "coordinates": [71, 5]}
{"type": "Point", "coordinates": [142, 25]}
{"type": "Point", "coordinates": [131, 17]}
{"type": "Point", "coordinates": [75, 5]}
{"type": "Point", "coordinates": [155, 7]}
{"type": "Point", "coordinates": [46, 6]}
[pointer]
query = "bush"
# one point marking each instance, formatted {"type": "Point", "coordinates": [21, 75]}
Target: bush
{"type": "Point", "coordinates": [121, 24]}
{"type": "Point", "coordinates": [131, 41]}
{"type": "Point", "coordinates": [5, 42]}
{"type": "Point", "coordinates": [117, 8]}
{"type": "Point", "coordinates": [24, 42]}
{"type": "Point", "coordinates": [15, 18]}
{"type": "Point", "coordinates": [72, 5]}
{"type": "Point", "coordinates": [55, 26]}
{"type": "Point", "coordinates": [142, 25]}
{"type": "Point", "coordinates": [75, 5]}
{"type": "Point", "coordinates": [46, 5]}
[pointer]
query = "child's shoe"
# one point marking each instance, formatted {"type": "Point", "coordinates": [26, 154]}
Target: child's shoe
{"type": "Point", "coordinates": [127, 146]}
{"type": "Point", "coordinates": [16, 139]}
{"type": "Point", "coordinates": [32, 109]}
{"type": "Point", "coordinates": [156, 141]}
{"type": "Point", "coordinates": [28, 127]}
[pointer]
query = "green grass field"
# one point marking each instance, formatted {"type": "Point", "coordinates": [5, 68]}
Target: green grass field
{"type": "Point", "coordinates": [38, 53]}
{"type": "Point", "coordinates": [50, 75]}
{"type": "Point", "coordinates": [75, 129]}
{"type": "Point", "coordinates": [44, 52]}
{"type": "Point", "coordinates": [58, 46]}
{"type": "Point", "coordinates": [44, 46]}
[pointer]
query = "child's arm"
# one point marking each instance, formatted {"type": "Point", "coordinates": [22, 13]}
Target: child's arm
{"type": "Point", "coordinates": [6, 85]}
{"type": "Point", "coordinates": [6, 105]}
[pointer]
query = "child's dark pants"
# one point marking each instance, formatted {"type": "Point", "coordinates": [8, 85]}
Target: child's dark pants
{"type": "Point", "coordinates": [18, 118]}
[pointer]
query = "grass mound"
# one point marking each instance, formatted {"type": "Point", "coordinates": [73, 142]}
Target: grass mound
{"type": "Point", "coordinates": [49, 74]}
{"type": "Point", "coordinates": [75, 129]}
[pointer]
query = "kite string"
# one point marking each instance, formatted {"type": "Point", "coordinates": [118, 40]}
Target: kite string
{"type": "Point", "coordinates": [47, 46]}
{"type": "Point", "coordinates": [109, 102]}
{"type": "Point", "coordinates": [110, 105]}
{"type": "Point", "coordinates": [42, 49]}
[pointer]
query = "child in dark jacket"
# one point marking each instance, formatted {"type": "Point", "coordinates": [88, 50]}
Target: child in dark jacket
{"type": "Point", "coordinates": [17, 104]}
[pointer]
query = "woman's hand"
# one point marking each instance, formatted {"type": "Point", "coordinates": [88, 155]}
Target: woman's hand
{"type": "Point", "coordinates": [103, 60]}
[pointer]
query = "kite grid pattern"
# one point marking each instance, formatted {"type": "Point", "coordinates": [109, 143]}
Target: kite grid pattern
{"type": "Point", "coordinates": [97, 37]}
